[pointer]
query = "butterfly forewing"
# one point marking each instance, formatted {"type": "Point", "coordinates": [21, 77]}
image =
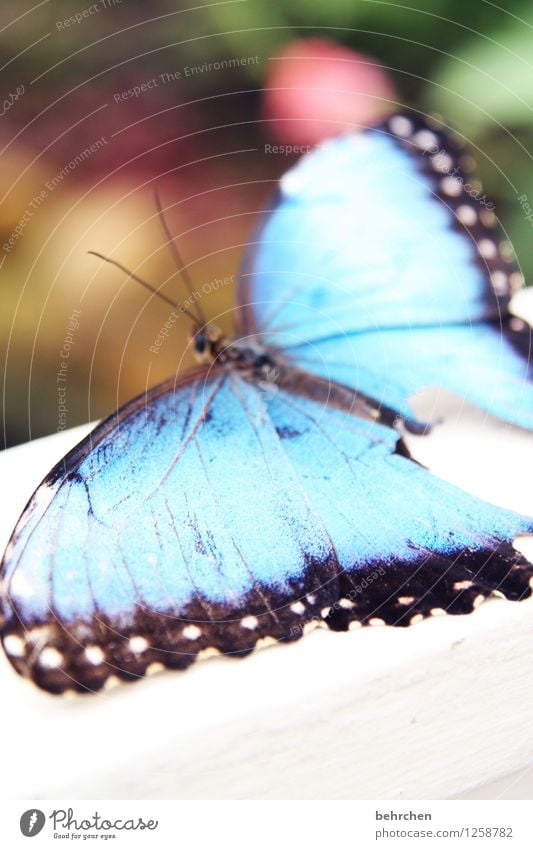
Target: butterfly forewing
{"type": "Point", "coordinates": [382, 267]}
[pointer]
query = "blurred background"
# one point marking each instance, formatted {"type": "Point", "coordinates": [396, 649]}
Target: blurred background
{"type": "Point", "coordinates": [103, 102]}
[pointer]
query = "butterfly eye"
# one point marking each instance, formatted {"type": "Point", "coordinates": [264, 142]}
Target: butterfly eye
{"type": "Point", "coordinates": [200, 342]}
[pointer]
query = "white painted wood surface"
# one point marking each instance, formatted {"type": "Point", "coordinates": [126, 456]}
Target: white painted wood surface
{"type": "Point", "coordinates": [441, 709]}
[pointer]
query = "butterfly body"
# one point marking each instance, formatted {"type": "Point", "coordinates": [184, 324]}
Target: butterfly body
{"type": "Point", "coordinates": [267, 490]}
{"type": "Point", "coordinates": [267, 366]}
{"type": "Point", "coordinates": [247, 356]}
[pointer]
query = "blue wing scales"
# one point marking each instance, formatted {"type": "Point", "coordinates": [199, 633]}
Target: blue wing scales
{"type": "Point", "coordinates": [163, 530]}
{"type": "Point", "coordinates": [378, 269]}
{"type": "Point", "coordinates": [479, 362]}
{"type": "Point", "coordinates": [210, 515]}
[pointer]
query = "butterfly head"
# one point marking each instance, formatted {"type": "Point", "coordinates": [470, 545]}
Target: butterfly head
{"type": "Point", "coordinates": [206, 343]}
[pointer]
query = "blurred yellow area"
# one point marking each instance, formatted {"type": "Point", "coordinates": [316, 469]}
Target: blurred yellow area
{"type": "Point", "coordinates": [54, 276]}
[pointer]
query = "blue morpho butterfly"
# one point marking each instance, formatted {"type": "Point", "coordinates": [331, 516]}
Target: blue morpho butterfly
{"type": "Point", "coordinates": [263, 490]}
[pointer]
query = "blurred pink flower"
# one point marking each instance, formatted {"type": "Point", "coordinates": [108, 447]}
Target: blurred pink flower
{"type": "Point", "coordinates": [315, 89]}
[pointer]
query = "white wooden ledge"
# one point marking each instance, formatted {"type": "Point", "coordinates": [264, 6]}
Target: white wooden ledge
{"type": "Point", "coordinates": [437, 710]}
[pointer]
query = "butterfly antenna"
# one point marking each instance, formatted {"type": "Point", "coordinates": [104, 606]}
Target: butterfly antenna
{"type": "Point", "coordinates": [146, 285]}
{"type": "Point", "coordinates": [180, 265]}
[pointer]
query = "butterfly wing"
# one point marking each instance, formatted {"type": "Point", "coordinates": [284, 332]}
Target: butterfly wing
{"type": "Point", "coordinates": [211, 514]}
{"type": "Point", "coordinates": [406, 542]}
{"type": "Point", "coordinates": [176, 527]}
{"type": "Point", "coordinates": [381, 267]}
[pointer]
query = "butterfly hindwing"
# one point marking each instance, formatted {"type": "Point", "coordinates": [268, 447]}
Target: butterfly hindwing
{"type": "Point", "coordinates": [210, 514]}
{"type": "Point", "coordinates": [382, 267]}
{"type": "Point", "coordinates": [479, 362]}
